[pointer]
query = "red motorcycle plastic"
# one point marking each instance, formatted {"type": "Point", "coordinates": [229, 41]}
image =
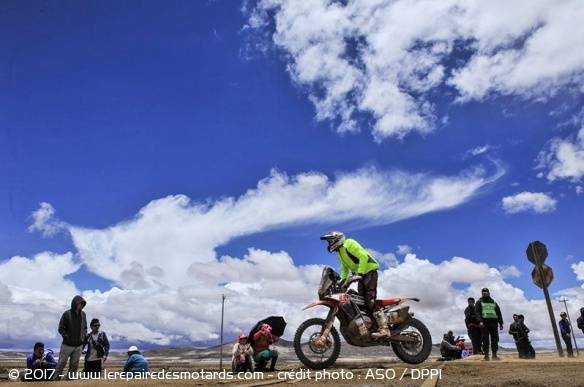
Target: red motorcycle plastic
{"type": "Point", "coordinates": [317, 343]}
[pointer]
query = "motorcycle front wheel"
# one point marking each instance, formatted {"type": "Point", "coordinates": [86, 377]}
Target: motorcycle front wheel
{"type": "Point", "coordinates": [312, 349]}
{"type": "Point", "coordinates": [413, 352]}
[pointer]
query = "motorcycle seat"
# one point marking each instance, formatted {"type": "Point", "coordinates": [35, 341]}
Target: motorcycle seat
{"type": "Point", "coordinates": [388, 301]}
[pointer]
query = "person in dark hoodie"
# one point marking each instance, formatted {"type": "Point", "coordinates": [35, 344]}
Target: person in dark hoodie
{"type": "Point", "coordinates": [73, 328]}
{"type": "Point", "coordinates": [580, 320]}
{"type": "Point", "coordinates": [489, 315]}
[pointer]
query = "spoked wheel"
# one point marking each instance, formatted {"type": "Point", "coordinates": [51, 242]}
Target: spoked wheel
{"type": "Point", "coordinates": [417, 351]}
{"type": "Point", "coordinates": [314, 350]}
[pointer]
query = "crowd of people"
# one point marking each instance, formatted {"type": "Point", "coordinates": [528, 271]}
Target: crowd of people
{"type": "Point", "coordinates": [482, 319]}
{"type": "Point", "coordinates": [78, 341]}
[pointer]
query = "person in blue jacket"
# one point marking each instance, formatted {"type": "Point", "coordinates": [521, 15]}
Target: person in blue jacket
{"type": "Point", "coordinates": [41, 360]}
{"type": "Point", "coordinates": [136, 363]}
{"type": "Point", "coordinates": [566, 332]}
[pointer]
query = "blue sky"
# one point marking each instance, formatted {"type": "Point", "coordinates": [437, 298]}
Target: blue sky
{"type": "Point", "coordinates": [156, 155]}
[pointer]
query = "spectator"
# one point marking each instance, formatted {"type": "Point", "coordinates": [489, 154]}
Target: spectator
{"type": "Point", "coordinates": [580, 320]}
{"type": "Point", "coordinates": [136, 363]}
{"type": "Point", "coordinates": [523, 335]}
{"type": "Point", "coordinates": [355, 258]}
{"type": "Point", "coordinates": [242, 354]}
{"type": "Point", "coordinates": [449, 351]}
{"type": "Point", "coordinates": [471, 320]}
{"type": "Point", "coordinates": [513, 332]}
{"type": "Point", "coordinates": [451, 338]}
{"type": "Point", "coordinates": [263, 349]}
{"type": "Point", "coordinates": [489, 316]}
{"type": "Point", "coordinates": [37, 363]}
{"type": "Point", "coordinates": [97, 349]}
{"type": "Point", "coordinates": [566, 333]}
{"type": "Point", "coordinates": [73, 328]}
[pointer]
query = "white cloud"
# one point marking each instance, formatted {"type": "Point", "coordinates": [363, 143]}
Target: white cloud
{"type": "Point", "coordinates": [403, 249]}
{"type": "Point", "coordinates": [385, 259]}
{"type": "Point", "coordinates": [166, 275]}
{"type": "Point", "coordinates": [259, 284]}
{"type": "Point", "coordinates": [171, 238]}
{"type": "Point", "coordinates": [479, 150]}
{"type": "Point", "coordinates": [536, 202]}
{"type": "Point", "coordinates": [563, 158]}
{"type": "Point", "coordinates": [45, 221]}
{"type": "Point", "coordinates": [386, 59]}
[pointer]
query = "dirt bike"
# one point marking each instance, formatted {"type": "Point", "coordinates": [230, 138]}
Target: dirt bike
{"type": "Point", "coordinates": [317, 343]}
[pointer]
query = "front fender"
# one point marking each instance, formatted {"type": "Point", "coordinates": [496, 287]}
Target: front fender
{"type": "Point", "coordinates": [315, 303]}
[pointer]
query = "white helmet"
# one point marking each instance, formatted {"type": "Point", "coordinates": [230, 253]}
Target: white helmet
{"type": "Point", "coordinates": [335, 240]}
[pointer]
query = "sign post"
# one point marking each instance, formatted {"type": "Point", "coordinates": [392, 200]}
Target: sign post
{"type": "Point", "coordinates": [542, 277]}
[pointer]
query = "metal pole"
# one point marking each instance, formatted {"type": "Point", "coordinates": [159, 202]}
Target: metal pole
{"type": "Point", "coordinates": [564, 300]}
{"type": "Point", "coordinates": [221, 339]}
{"type": "Point", "coordinates": [548, 302]}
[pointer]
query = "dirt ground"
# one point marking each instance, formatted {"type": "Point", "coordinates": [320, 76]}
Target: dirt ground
{"type": "Point", "coordinates": [546, 370]}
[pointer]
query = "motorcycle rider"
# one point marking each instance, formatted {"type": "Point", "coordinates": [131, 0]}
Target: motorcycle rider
{"type": "Point", "coordinates": [355, 258]}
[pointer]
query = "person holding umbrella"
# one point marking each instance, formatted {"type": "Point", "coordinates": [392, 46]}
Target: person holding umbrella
{"type": "Point", "coordinates": [263, 349]}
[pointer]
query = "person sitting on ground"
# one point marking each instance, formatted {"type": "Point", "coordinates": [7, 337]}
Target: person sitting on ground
{"type": "Point", "coordinates": [449, 351]}
{"type": "Point", "coordinates": [136, 363]}
{"type": "Point", "coordinates": [39, 359]}
{"type": "Point", "coordinates": [263, 349]}
{"type": "Point", "coordinates": [242, 353]}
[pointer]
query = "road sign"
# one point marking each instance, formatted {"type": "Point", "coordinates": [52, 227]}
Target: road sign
{"type": "Point", "coordinates": [536, 249]}
{"type": "Point", "coordinates": [548, 274]}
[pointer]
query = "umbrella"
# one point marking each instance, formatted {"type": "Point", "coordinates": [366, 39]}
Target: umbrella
{"type": "Point", "coordinates": [277, 323]}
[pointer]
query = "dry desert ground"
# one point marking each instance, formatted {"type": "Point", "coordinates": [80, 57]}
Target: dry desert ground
{"type": "Point", "coordinates": [185, 370]}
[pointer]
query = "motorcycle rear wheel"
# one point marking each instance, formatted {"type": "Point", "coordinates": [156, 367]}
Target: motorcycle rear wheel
{"type": "Point", "coordinates": [307, 348]}
{"type": "Point", "coordinates": [413, 352]}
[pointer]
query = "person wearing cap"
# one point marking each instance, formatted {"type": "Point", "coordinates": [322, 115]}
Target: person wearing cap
{"type": "Point", "coordinates": [242, 353]}
{"type": "Point", "coordinates": [489, 315]}
{"type": "Point", "coordinates": [580, 320]}
{"type": "Point", "coordinates": [471, 320]}
{"type": "Point", "coordinates": [136, 363]}
{"type": "Point", "coordinates": [566, 333]}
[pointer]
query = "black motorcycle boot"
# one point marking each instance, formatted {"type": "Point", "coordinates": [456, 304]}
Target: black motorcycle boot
{"type": "Point", "coordinates": [273, 363]}
{"type": "Point", "coordinates": [260, 365]}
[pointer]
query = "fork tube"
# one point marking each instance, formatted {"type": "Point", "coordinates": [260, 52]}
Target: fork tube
{"type": "Point", "coordinates": [330, 319]}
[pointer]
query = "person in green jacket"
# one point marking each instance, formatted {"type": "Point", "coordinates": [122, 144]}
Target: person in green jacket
{"type": "Point", "coordinates": [356, 259]}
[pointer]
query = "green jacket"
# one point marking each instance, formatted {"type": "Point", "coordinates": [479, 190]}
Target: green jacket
{"type": "Point", "coordinates": [355, 258]}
